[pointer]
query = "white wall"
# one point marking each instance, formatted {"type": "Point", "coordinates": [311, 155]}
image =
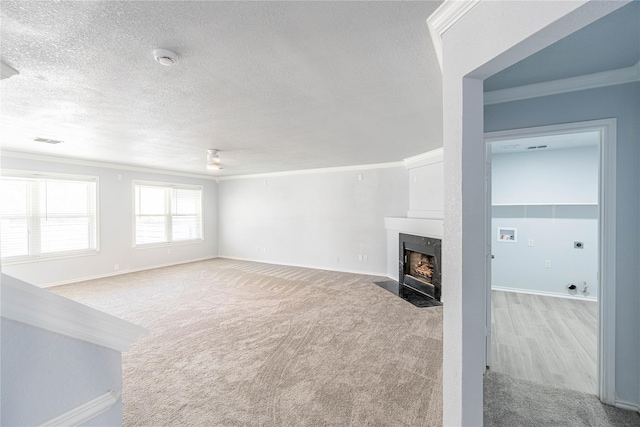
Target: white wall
{"type": "Point", "coordinates": [45, 374]}
{"type": "Point", "coordinates": [426, 186]}
{"type": "Point", "coordinates": [562, 176]}
{"type": "Point", "coordinates": [472, 51]}
{"type": "Point", "coordinates": [115, 205]}
{"type": "Point", "coordinates": [320, 220]}
{"type": "Point", "coordinates": [535, 191]}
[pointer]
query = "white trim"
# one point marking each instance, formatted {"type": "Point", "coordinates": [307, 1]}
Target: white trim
{"type": "Point", "coordinates": [425, 159]}
{"type": "Point", "coordinates": [607, 237]}
{"type": "Point", "coordinates": [338, 270]}
{"type": "Point", "coordinates": [82, 162]}
{"type": "Point", "coordinates": [36, 177]}
{"type": "Point", "coordinates": [34, 306]}
{"type": "Point", "coordinates": [544, 294]}
{"type": "Point", "coordinates": [444, 17]}
{"type": "Point", "coordinates": [571, 84]}
{"type": "Point", "coordinates": [607, 262]}
{"type": "Point", "coordinates": [559, 129]}
{"type": "Point", "coordinates": [313, 171]}
{"type": "Point", "coordinates": [168, 209]}
{"type": "Point", "coordinates": [120, 272]}
{"type": "Point", "coordinates": [163, 184]}
{"type": "Point", "coordinates": [56, 255]}
{"type": "Point", "coordinates": [86, 411]}
{"type": "Point", "coordinates": [627, 405]}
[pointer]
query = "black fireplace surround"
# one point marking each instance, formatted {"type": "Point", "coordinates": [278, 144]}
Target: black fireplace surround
{"type": "Point", "coordinates": [420, 264]}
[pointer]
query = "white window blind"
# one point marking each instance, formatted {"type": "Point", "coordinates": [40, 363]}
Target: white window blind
{"type": "Point", "coordinates": [47, 216]}
{"type": "Point", "coordinates": [167, 213]}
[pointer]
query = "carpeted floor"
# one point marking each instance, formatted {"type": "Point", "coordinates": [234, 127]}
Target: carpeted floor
{"type": "Point", "coordinates": [520, 403]}
{"type": "Point", "coordinates": [236, 343]}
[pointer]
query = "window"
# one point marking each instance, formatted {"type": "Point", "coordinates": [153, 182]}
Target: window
{"type": "Point", "coordinates": [167, 213]}
{"type": "Point", "coordinates": [47, 215]}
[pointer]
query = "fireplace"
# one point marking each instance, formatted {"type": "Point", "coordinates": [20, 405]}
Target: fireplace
{"type": "Point", "coordinates": [421, 264]}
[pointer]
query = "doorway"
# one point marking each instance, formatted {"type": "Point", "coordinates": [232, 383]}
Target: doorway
{"type": "Point", "coordinates": [551, 279]}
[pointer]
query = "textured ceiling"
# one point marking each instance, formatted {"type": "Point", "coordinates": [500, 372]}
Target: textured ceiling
{"type": "Point", "coordinates": [274, 86]}
{"type": "Point", "coordinates": [610, 43]}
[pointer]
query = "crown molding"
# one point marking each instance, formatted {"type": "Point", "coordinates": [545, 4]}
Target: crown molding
{"type": "Point", "coordinates": [571, 84]}
{"type": "Point", "coordinates": [424, 159]}
{"type": "Point", "coordinates": [106, 165]}
{"type": "Point", "coordinates": [450, 12]}
{"type": "Point", "coordinates": [34, 306]}
{"type": "Point", "coordinates": [315, 171]}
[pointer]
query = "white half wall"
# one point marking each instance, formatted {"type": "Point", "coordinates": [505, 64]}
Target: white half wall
{"type": "Point", "coordinates": [115, 216]}
{"type": "Point", "coordinates": [330, 220]}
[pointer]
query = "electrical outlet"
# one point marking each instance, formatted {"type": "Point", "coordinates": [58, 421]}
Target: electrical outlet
{"type": "Point", "coordinates": [530, 242]}
{"type": "Point", "coordinates": [364, 258]}
{"type": "Point", "coordinates": [169, 250]}
{"type": "Point", "coordinates": [360, 257]}
{"type": "Point", "coordinates": [578, 245]}
{"type": "Point", "coordinates": [264, 250]}
{"type": "Point", "coordinates": [116, 267]}
{"type": "Point", "coordinates": [359, 177]}
{"type": "Point", "coordinates": [547, 264]}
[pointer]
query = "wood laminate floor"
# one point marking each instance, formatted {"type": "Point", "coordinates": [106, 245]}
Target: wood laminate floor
{"type": "Point", "coordinates": [545, 339]}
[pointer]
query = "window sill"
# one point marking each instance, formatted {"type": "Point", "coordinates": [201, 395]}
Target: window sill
{"type": "Point", "coordinates": [39, 258]}
{"type": "Point", "coordinates": [168, 244]}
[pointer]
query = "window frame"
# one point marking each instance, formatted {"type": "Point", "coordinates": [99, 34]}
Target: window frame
{"type": "Point", "coordinates": [168, 226]}
{"type": "Point", "coordinates": [31, 219]}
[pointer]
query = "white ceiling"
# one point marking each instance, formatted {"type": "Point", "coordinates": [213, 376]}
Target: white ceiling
{"type": "Point", "coordinates": [275, 86]}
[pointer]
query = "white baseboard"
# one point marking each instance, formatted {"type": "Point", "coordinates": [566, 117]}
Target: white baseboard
{"type": "Point", "coordinates": [366, 273]}
{"type": "Point", "coordinates": [85, 412]}
{"type": "Point", "coordinates": [627, 405]}
{"type": "Point", "coordinates": [542, 293]}
{"type": "Point", "coordinates": [119, 272]}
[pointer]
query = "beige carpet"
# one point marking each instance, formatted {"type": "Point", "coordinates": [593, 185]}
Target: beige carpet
{"type": "Point", "coordinates": [246, 344]}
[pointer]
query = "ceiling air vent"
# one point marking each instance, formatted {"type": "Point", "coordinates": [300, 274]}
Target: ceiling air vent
{"type": "Point", "coordinates": [47, 141]}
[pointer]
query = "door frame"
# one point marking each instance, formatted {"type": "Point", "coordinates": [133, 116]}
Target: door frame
{"type": "Point", "coordinates": [606, 239]}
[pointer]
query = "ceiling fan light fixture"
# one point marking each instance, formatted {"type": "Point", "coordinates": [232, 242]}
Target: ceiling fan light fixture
{"type": "Point", "coordinates": [213, 159]}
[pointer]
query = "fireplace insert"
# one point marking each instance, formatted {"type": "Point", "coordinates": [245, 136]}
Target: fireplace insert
{"type": "Point", "coordinates": [420, 264]}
